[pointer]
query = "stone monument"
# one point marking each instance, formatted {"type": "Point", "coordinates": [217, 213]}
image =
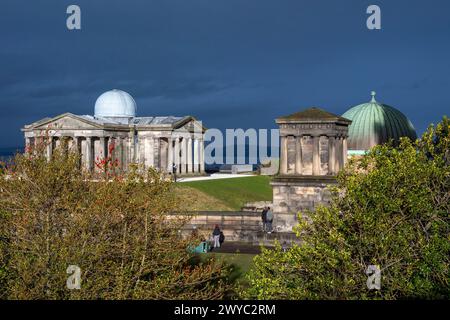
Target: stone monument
{"type": "Point", "coordinates": [313, 148]}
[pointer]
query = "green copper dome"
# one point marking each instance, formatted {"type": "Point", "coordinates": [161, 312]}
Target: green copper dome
{"type": "Point", "coordinates": [376, 123]}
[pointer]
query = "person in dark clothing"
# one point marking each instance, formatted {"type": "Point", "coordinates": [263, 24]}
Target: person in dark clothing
{"type": "Point", "coordinates": [174, 172]}
{"type": "Point", "coordinates": [216, 236]}
{"type": "Point", "coordinates": [264, 218]}
{"type": "Point", "coordinates": [221, 238]}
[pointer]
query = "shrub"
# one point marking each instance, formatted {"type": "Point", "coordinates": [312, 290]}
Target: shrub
{"type": "Point", "coordinates": [390, 209]}
{"type": "Point", "coordinates": [114, 227]}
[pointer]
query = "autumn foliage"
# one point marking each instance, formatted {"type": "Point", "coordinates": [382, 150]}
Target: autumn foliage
{"type": "Point", "coordinates": [54, 214]}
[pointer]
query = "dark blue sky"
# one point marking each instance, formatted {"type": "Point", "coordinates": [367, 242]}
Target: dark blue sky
{"type": "Point", "coordinates": [231, 63]}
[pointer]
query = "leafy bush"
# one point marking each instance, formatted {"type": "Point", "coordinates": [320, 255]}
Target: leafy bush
{"type": "Point", "coordinates": [390, 209]}
{"type": "Point", "coordinates": [53, 214]}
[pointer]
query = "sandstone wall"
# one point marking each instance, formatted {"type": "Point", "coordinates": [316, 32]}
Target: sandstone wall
{"type": "Point", "coordinates": [294, 195]}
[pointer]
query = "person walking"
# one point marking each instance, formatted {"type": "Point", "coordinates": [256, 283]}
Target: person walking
{"type": "Point", "coordinates": [216, 236]}
{"type": "Point", "coordinates": [269, 219]}
{"type": "Point", "coordinates": [264, 219]}
{"type": "Point", "coordinates": [174, 172]}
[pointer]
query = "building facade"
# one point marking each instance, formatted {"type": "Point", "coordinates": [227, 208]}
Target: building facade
{"type": "Point", "coordinates": [166, 143]}
{"type": "Point", "coordinates": [313, 150]}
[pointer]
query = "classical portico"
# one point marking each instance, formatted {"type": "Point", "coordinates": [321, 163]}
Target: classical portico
{"type": "Point", "coordinates": [310, 147]}
{"type": "Point", "coordinates": [115, 131]}
{"type": "Point", "coordinates": [313, 149]}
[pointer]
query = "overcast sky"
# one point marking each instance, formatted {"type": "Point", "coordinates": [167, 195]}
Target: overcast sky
{"type": "Point", "coordinates": [230, 63]}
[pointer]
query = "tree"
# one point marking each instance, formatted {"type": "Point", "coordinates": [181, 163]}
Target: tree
{"type": "Point", "coordinates": [435, 142]}
{"type": "Point", "coordinates": [114, 228]}
{"type": "Point", "coordinates": [391, 210]}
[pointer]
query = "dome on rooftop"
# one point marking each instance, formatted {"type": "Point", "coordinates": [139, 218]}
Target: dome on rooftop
{"type": "Point", "coordinates": [376, 123]}
{"type": "Point", "coordinates": [115, 103]}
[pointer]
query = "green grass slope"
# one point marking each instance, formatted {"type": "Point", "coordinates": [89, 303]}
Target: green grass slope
{"type": "Point", "coordinates": [235, 192]}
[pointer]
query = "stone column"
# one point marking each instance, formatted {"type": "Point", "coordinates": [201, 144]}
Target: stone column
{"type": "Point", "coordinates": [89, 153]}
{"type": "Point", "coordinates": [49, 148]}
{"type": "Point", "coordinates": [170, 156]}
{"type": "Point", "coordinates": [183, 159]}
{"type": "Point", "coordinates": [125, 152]}
{"type": "Point", "coordinates": [283, 155]}
{"type": "Point", "coordinates": [338, 154]}
{"type": "Point", "coordinates": [103, 148]}
{"type": "Point", "coordinates": [149, 152]}
{"type": "Point", "coordinates": [27, 144]}
{"type": "Point", "coordinates": [177, 154]}
{"type": "Point", "coordinates": [196, 156]}
{"type": "Point", "coordinates": [189, 155]}
{"type": "Point", "coordinates": [78, 149]}
{"type": "Point", "coordinates": [111, 144]}
{"type": "Point", "coordinates": [202, 156]}
{"type": "Point", "coordinates": [156, 154]}
{"type": "Point", "coordinates": [316, 156]}
{"type": "Point", "coordinates": [131, 148]}
{"type": "Point", "coordinates": [142, 152]}
{"type": "Point", "coordinates": [331, 155]}
{"type": "Point", "coordinates": [344, 150]}
{"type": "Point", "coordinates": [57, 142]}
{"type": "Point", "coordinates": [118, 152]}
{"type": "Point", "coordinates": [71, 144]}
{"type": "Point", "coordinates": [298, 155]}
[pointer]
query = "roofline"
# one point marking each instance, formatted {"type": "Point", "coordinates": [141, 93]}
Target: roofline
{"type": "Point", "coordinates": [305, 121]}
{"type": "Point", "coordinates": [330, 117]}
{"type": "Point", "coordinates": [106, 126]}
{"type": "Point", "coordinates": [66, 114]}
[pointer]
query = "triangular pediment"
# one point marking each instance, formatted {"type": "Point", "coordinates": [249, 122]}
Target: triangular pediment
{"type": "Point", "coordinates": [189, 124]}
{"type": "Point", "coordinates": [66, 121]}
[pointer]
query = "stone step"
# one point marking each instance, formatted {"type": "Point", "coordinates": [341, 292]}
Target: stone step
{"type": "Point", "coordinates": [224, 227]}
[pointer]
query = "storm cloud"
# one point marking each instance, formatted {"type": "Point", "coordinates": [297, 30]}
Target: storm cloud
{"type": "Point", "coordinates": [230, 63]}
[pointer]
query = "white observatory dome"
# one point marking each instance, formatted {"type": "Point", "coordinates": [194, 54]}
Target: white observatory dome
{"type": "Point", "coordinates": [115, 103]}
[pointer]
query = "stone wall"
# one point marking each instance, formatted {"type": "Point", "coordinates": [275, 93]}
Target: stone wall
{"type": "Point", "coordinates": [236, 225]}
{"type": "Point", "coordinates": [292, 195]}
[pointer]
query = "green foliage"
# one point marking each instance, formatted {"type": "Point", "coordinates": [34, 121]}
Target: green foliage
{"type": "Point", "coordinates": [236, 192]}
{"type": "Point", "coordinates": [391, 209]}
{"type": "Point", "coordinates": [435, 142]}
{"type": "Point", "coordinates": [114, 227]}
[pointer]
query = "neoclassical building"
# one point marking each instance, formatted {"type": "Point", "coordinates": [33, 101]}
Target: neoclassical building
{"type": "Point", "coordinates": [313, 150]}
{"type": "Point", "coordinates": [315, 145]}
{"type": "Point", "coordinates": [313, 142]}
{"type": "Point", "coordinates": [158, 142]}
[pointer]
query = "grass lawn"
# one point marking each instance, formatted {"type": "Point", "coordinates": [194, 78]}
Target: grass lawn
{"type": "Point", "coordinates": [235, 192]}
{"type": "Point", "coordinates": [193, 199]}
{"type": "Point", "coordinates": [242, 263]}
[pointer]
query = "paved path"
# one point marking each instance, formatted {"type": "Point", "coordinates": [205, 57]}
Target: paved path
{"type": "Point", "coordinates": [237, 247]}
{"type": "Point", "coordinates": [215, 176]}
